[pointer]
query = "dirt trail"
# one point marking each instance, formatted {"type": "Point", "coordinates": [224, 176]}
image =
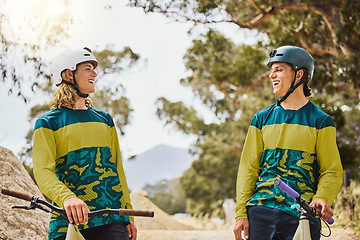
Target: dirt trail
{"type": "Point", "coordinates": [337, 234]}
{"type": "Point", "coordinates": [185, 235]}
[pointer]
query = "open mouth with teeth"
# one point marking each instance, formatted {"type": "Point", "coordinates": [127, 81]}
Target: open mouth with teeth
{"type": "Point", "coordinates": [276, 84]}
{"type": "Point", "coordinates": [91, 81]}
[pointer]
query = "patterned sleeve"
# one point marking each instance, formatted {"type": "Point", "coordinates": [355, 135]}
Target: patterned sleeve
{"type": "Point", "coordinates": [115, 148]}
{"type": "Point", "coordinates": [331, 171]}
{"type": "Point", "coordinates": [248, 172]}
{"type": "Point", "coordinates": [44, 155]}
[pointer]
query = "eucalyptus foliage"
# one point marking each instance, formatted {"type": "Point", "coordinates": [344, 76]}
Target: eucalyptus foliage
{"type": "Point", "coordinates": [231, 79]}
{"type": "Point", "coordinates": [23, 37]}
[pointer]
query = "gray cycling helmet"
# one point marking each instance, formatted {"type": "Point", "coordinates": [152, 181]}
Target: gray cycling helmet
{"type": "Point", "coordinates": [296, 56]}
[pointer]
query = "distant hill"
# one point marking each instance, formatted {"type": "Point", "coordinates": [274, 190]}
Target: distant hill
{"type": "Point", "coordinates": [158, 163]}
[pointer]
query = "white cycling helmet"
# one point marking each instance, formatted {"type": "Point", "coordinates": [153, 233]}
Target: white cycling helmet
{"type": "Point", "coordinates": [69, 60]}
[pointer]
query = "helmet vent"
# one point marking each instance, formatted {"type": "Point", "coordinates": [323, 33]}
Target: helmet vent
{"type": "Point", "coordinates": [87, 49]}
{"type": "Point", "coordinates": [86, 54]}
{"type": "Point", "coordinates": [280, 54]}
{"type": "Point", "coordinates": [273, 53]}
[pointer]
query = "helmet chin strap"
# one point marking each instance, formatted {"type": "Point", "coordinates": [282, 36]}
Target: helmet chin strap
{"type": "Point", "coordinates": [82, 95]}
{"type": "Point", "coordinates": [291, 89]}
{"type": "Point", "coordinates": [74, 86]}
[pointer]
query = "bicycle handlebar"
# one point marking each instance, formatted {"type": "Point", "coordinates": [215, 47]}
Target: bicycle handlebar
{"type": "Point", "coordinates": [286, 188]}
{"type": "Point", "coordinates": [37, 201]}
{"type": "Point", "coordinates": [20, 195]}
{"type": "Point", "coordinates": [292, 193]}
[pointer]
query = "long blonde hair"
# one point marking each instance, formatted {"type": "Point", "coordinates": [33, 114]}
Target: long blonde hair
{"type": "Point", "coordinates": [65, 95]}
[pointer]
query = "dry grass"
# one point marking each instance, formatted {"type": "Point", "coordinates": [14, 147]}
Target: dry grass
{"type": "Point", "coordinates": [347, 208]}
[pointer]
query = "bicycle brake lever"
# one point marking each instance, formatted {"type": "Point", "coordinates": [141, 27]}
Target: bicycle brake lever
{"type": "Point", "coordinates": [42, 208]}
{"type": "Point", "coordinates": [24, 207]}
{"type": "Point", "coordinates": [32, 206]}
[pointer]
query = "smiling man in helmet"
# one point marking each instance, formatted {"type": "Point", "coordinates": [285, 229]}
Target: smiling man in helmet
{"type": "Point", "coordinates": [294, 140]}
{"type": "Point", "coordinates": [76, 155]}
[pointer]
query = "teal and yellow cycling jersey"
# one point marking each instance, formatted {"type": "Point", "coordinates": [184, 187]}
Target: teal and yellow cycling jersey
{"type": "Point", "coordinates": [76, 153]}
{"type": "Point", "coordinates": [298, 146]}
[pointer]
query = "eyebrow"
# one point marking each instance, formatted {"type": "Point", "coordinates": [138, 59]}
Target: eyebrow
{"type": "Point", "coordinates": [88, 65]}
{"type": "Point", "coordinates": [279, 66]}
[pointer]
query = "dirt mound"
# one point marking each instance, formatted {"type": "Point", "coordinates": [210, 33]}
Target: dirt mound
{"type": "Point", "coordinates": [18, 223]}
{"type": "Point", "coordinates": [161, 220]}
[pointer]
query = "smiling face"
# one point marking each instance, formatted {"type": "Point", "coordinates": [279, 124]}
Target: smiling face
{"type": "Point", "coordinates": [85, 77]}
{"type": "Point", "coordinates": [282, 75]}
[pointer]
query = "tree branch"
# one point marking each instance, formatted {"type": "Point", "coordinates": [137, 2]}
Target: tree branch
{"type": "Point", "coordinates": [331, 18]}
{"type": "Point", "coordinates": [330, 15]}
{"type": "Point", "coordinates": [256, 6]}
{"type": "Point", "coordinates": [314, 48]}
{"type": "Point", "coordinates": [273, 10]}
{"type": "Point", "coordinates": [317, 48]}
{"type": "Point", "coordinates": [260, 80]}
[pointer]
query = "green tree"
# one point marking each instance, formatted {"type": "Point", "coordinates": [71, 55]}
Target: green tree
{"type": "Point", "coordinates": [230, 79]}
{"type": "Point", "coordinates": [221, 79]}
{"type": "Point", "coordinates": [167, 195]}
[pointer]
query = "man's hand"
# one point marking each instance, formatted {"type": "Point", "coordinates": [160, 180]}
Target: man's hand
{"type": "Point", "coordinates": [241, 225]}
{"type": "Point", "coordinates": [132, 231]}
{"type": "Point", "coordinates": [76, 211]}
{"type": "Point", "coordinates": [323, 207]}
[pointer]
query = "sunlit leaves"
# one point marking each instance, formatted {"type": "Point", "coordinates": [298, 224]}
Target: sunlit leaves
{"type": "Point", "coordinates": [49, 20]}
{"type": "Point", "coordinates": [113, 61]}
{"type": "Point", "coordinates": [26, 28]}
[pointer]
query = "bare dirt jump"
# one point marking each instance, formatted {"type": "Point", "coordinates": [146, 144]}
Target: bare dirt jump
{"type": "Point", "coordinates": [33, 225]}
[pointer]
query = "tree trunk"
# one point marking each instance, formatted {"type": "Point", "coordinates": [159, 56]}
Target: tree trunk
{"type": "Point", "coordinates": [346, 178]}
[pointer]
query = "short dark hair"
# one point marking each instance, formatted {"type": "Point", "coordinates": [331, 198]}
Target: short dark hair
{"type": "Point", "coordinates": [306, 88]}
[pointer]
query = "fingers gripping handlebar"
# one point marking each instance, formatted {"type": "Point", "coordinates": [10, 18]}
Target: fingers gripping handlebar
{"type": "Point", "coordinates": [292, 193]}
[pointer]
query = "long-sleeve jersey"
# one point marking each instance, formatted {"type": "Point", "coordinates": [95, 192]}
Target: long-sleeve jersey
{"type": "Point", "coordinates": [298, 146]}
{"type": "Point", "coordinates": [77, 153]}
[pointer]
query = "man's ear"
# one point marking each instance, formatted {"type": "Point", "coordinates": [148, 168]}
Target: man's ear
{"type": "Point", "coordinates": [299, 75]}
